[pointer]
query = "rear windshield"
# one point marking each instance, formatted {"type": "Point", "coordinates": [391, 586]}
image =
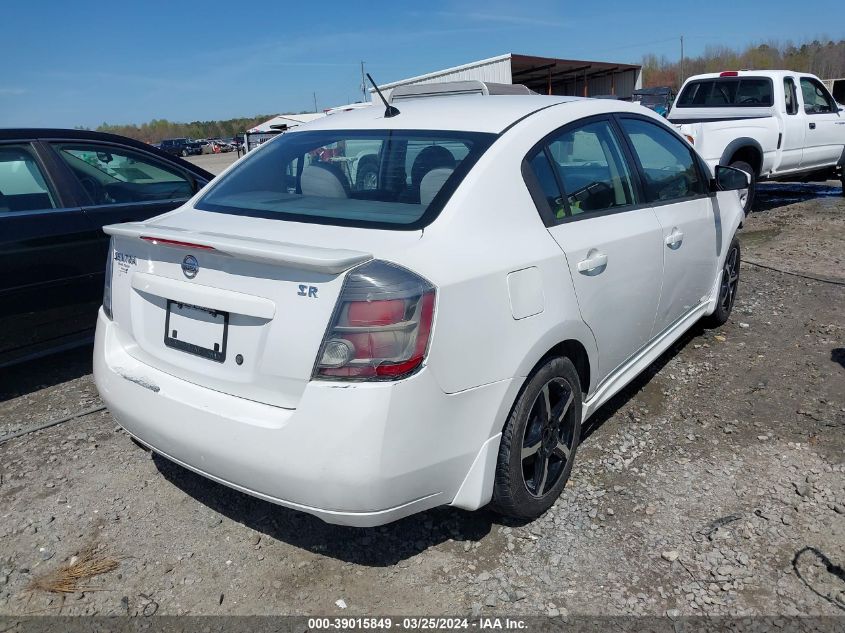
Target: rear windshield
{"type": "Point", "coordinates": [727, 91]}
{"type": "Point", "coordinates": [397, 179]}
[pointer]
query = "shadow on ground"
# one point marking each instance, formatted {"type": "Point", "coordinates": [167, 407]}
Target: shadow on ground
{"type": "Point", "coordinates": [374, 547]}
{"type": "Point", "coordinates": [389, 544]}
{"type": "Point", "coordinates": [773, 195]}
{"type": "Point", "coordinates": [55, 369]}
{"type": "Point", "coordinates": [638, 384]}
{"type": "Point", "coordinates": [837, 355]}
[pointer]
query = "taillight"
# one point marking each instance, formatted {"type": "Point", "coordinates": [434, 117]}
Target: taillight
{"type": "Point", "coordinates": [107, 285]}
{"type": "Point", "coordinates": [381, 326]}
{"type": "Point", "coordinates": [729, 73]}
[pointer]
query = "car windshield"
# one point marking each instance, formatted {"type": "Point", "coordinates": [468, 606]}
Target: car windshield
{"type": "Point", "coordinates": [396, 179]}
{"type": "Point", "coordinates": [728, 91]}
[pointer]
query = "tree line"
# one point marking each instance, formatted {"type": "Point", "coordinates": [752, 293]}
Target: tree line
{"type": "Point", "coordinates": [826, 59]}
{"type": "Point", "coordinates": [159, 129]}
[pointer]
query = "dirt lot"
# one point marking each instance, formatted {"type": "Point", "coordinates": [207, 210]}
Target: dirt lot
{"type": "Point", "coordinates": [714, 484]}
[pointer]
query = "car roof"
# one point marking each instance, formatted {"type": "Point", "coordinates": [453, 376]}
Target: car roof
{"type": "Point", "coordinates": [29, 134]}
{"type": "Point", "coordinates": [466, 113]}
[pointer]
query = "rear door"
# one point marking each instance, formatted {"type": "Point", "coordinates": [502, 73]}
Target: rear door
{"type": "Point", "coordinates": [611, 239]}
{"type": "Point", "coordinates": [677, 187]}
{"type": "Point", "coordinates": [47, 293]}
{"type": "Point", "coordinates": [825, 125]}
{"type": "Point", "coordinates": [794, 128]}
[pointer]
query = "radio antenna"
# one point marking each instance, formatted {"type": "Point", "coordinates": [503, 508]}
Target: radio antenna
{"type": "Point", "coordinates": [389, 110]}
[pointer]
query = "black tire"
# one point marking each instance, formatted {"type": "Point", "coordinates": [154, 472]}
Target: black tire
{"type": "Point", "coordinates": [520, 489]}
{"type": "Point", "coordinates": [752, 188]}
{"type": "Point", "coordinates": [843, 182]}
{"type": "Point", "coordinates": [366, 178]}
{"type": "Point", "coordinates": [728, 287]}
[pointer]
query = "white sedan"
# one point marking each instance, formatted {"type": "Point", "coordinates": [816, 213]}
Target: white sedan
{"type": "Point", "coordinates": [434, 336]}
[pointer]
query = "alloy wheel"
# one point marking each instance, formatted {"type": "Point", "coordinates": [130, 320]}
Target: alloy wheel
{"type": "Point", "coordinates": [549, 436]}
{"type": "Point", "coordinates": [730, 279]}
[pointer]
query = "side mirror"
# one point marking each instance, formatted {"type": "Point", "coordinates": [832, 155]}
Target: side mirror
{"type": "Point", "coordinates": [730, 179]}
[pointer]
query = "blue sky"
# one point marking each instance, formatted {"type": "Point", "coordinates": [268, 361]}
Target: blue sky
{"type": "Point", "coordinates": [86, 62]}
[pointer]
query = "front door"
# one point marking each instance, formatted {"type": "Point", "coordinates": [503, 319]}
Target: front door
{"type": "Point", "coordinates": [825, 125]}
{"type": "Point", "coordinates": [676, 186]}
{"type": "Point", "coordinates": [612, 243]}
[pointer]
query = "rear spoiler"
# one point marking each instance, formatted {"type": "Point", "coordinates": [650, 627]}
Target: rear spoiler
{"type": "Point", "coordinates": [316, 258]}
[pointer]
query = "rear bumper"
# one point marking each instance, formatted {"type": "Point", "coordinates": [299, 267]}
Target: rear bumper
{"type": "Point", "coordinates": [358, 454]}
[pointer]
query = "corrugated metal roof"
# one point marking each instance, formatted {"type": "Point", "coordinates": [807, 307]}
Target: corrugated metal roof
{"type": "Point", "coordinates": [546, 75]}
{"type": "Point", "coordinates": [447, 72]}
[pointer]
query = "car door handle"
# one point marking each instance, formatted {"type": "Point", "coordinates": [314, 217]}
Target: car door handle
{"type": "Point", "coordinates": [595, 260]}
{"type": "Point", "coordinates": [674, 239]}
{"type": "Point", "coordinates": [812, 126]}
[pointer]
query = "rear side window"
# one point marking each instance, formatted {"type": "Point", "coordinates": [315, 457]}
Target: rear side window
{"type": "Point", "coordinates": [727, 91]}
{"type": "Point", "coordinates": [582, 171]}
{"type": "Point", "coordinates": [816, 98]}
{"type": "Point", "coordinates": [22, 183]}
{"type": "Point", "coordinates": [116, 175]}
{"type": "Point", "coordinates": [790, 96]}
{"type": "Point", "coordinates": [396, 179]}
{"type": "Point", "coordinates": [669, 169]}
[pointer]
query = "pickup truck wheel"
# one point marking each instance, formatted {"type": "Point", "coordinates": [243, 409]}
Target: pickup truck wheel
{"type": "Point", "coordinates": [539, 442]}
{"type": "Point", "coordinates": [727, 288]}
{"type": "Point", "coordinates": [746, 196]}
{"type": "Point", "coordinates": [366, 178]}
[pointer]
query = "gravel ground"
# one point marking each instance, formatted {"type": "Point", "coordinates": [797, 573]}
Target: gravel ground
{"type": "Point", "coordinates": [215, 163]}
{"type": "Point", "coordinates": [714, 484]}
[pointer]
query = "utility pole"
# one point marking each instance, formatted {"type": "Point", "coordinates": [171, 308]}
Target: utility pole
{"type": "Point", "coordinates": [315, 102]}
{"type": "Point", "coordinates": [363, 83]}
{"type": "Point", "coordinates": [683, 76]}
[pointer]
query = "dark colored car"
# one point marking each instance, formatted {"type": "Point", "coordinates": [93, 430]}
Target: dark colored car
{"type": "Point", "coordinates": [180, 147]}
{"type": "Point", "coordinates": [58, 188]}
{"type": "Point", "coordinates": [659, 99]}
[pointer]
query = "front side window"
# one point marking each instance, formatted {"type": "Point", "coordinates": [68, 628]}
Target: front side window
{"type": "Point", "coordinates": [669, 169]}
{"type": "Point", "coordinates": [587, 163]}
{"type": "Point", "coordinates": [22, 183]}
{"type": "Point", "coordinates": [816, 98]}
{"type": "Point", "coordinates": [112, 175]}
{"type": "Point", "coordinates": [386, 178]}
{"type": "Point", "coordinates": [727, 91]}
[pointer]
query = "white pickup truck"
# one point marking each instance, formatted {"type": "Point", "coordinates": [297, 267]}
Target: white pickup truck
{"type": "Point", "coordinates": [774, 125]}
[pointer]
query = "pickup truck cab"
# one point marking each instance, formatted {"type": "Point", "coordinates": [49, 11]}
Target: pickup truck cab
{"type": "Point", "coordinates": [774, 125]}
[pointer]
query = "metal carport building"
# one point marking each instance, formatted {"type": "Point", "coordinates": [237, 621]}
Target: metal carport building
{"type": "Point", "coordinates": [546, 75]}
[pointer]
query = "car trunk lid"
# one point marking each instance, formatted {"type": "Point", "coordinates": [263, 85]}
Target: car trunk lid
{"type": "Point", "coordinates": [239, 311]}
